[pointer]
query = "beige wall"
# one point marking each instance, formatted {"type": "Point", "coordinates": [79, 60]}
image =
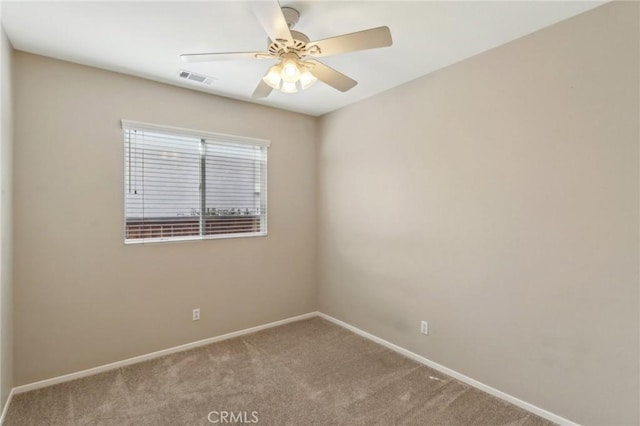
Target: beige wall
{"type": "Point", "coordinates": [6, 228]}
{"type": "Point", "coordinates": [498, 199]}
{"type": "Point", "coordinates": [83, 298]}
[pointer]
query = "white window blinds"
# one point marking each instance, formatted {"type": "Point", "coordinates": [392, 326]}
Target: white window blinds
{"type": "Point", "coordinates": [182, 184]}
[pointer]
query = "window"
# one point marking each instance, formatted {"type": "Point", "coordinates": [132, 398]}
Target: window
{"type": "Point", "coordinates": [188, 185]}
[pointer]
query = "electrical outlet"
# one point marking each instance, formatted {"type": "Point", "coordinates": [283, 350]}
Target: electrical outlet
{"type": "Point", "coordinates": [424, 327]}
{"type": "Point", "coordinates": [196, 314]}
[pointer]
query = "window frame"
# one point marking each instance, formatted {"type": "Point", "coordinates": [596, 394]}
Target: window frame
{"type": "Point", "coordinates": [210, 137]}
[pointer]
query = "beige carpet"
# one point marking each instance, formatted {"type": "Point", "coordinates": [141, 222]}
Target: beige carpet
{"type": "Point", "coordinates": [304, 373]}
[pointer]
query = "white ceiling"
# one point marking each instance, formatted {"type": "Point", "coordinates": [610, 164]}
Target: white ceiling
{"type": "Point", "coordinates": [146, 38]}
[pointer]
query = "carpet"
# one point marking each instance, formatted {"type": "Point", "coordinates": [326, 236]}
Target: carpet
{"type": "Point", "coordinates": [310, 372]}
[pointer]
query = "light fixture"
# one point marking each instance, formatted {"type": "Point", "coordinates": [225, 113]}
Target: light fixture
{"type": "Point", "coordinates": [290, 72]}
{"type": "Point", "coordinates": [288, 87]}
{"type": "Point", "coordinates": [273, 77]}
{"type": "Point", "coordinates": [307, 79]}
{"type": "Point", "coordinates": [290, 75]}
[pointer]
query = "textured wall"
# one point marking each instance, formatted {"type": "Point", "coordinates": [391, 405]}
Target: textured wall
{"type": "Point", "coordinates": [6, 224]}
{"type": "Point", "coordinates": [83, 298]}
{"type": "Point", "coordinates": [498, 199]}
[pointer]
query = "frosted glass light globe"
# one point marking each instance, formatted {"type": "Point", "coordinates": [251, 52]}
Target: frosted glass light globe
{"type": "Point", "coordinates": [288, 87]}
{"type": "Point", "coordinates": [273, 77]}
{"type": "Point", "coordinates": [307, 79]}
{"type": "Point", "coordinates": [290, 72]}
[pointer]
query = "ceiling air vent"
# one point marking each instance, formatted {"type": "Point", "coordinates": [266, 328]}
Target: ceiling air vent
{"type": "Point", "coordinates": [198, 78]}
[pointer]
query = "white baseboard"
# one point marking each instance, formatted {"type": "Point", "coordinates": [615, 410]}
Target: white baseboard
{"type": "Point", "coordinates": [459, 376]}
{"type": "Point", "coordinates": [152, 355]}
{"type": "Point", "coordinates": [6, 406]}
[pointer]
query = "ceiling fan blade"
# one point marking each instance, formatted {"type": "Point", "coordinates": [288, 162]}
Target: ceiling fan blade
{"type": "Point", "coordinates": [230, 56]}
{"type": "Point", "coordinates": [272, 20]}
{"type": "Point", "coordinates": [333, 78]}
{"type": "Point", "coordinates": [362, 40]}
{"type": "Point", "coordinates": [262, 91]}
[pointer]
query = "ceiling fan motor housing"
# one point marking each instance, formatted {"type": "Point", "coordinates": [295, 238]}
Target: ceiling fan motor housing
{"type": "Point", "coordinates": [300, 40]}
{"type": "Point", "coordinates": [278, 48]}
{"type": "Point", "coordinates": [298, 36]}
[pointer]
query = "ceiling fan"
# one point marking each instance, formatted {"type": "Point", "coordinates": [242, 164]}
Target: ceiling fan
{"type": "Point", "coordinates": [297, 67]}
